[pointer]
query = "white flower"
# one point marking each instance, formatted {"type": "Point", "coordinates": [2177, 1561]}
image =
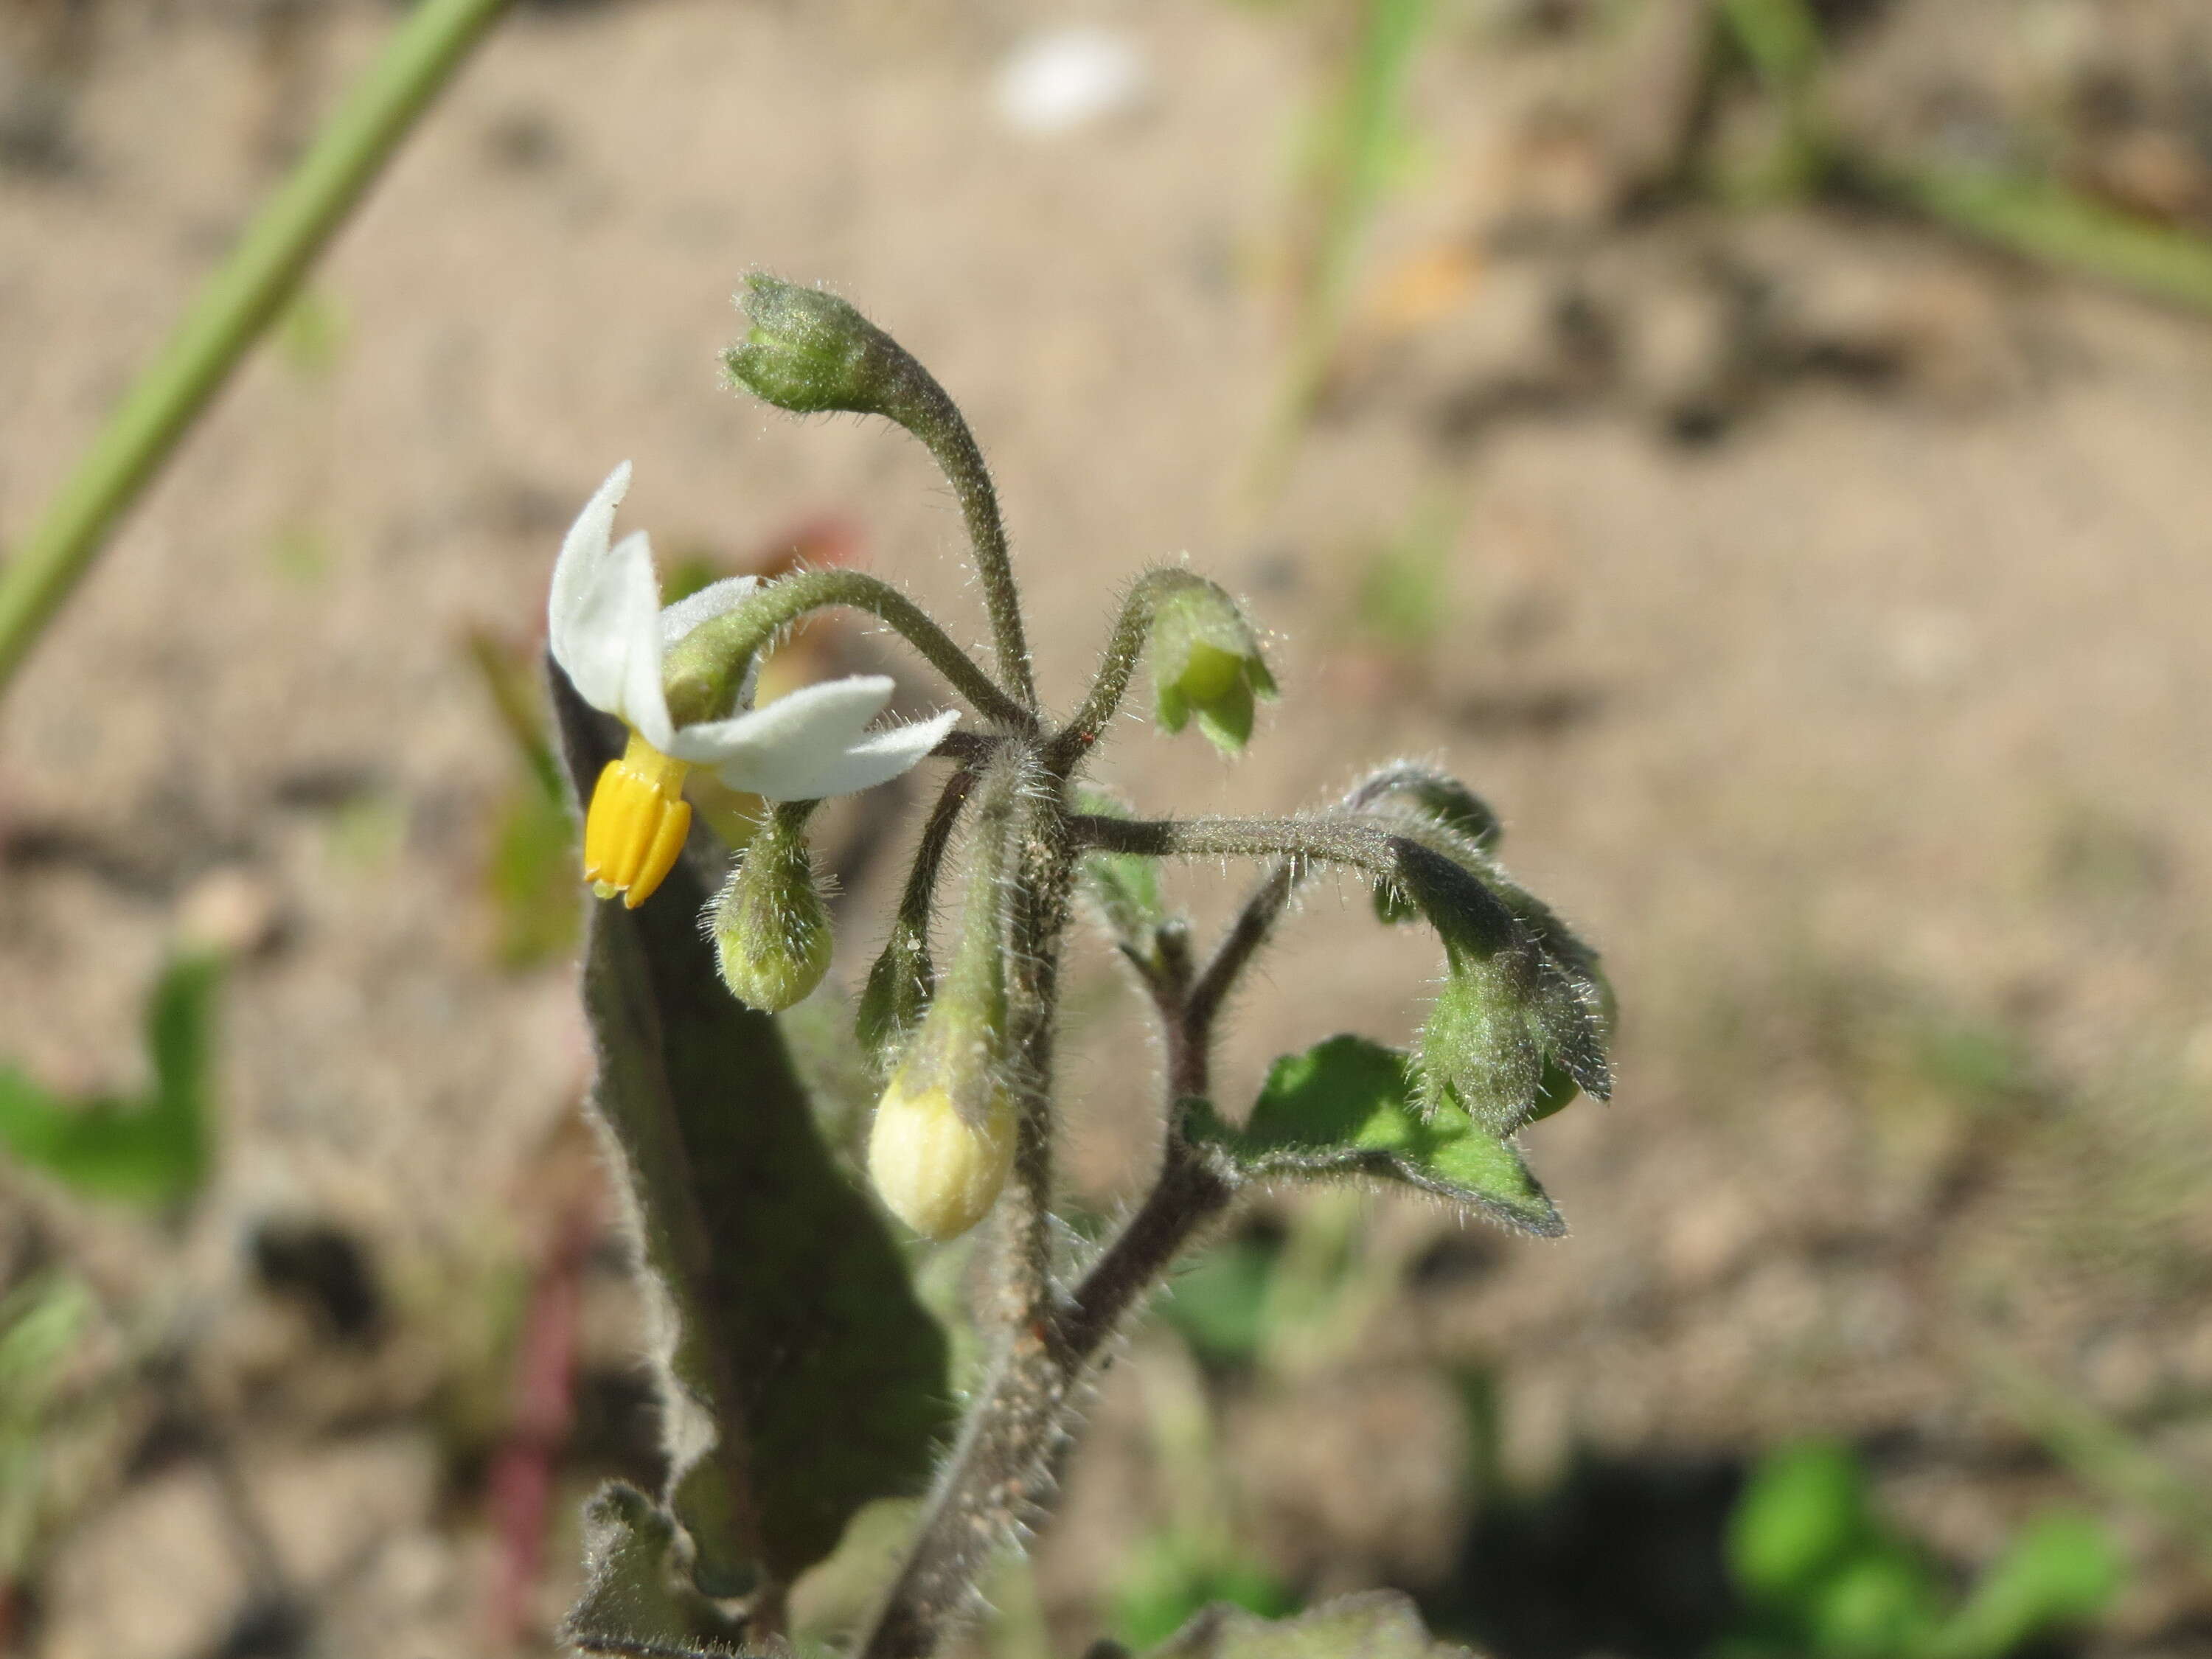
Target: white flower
{"type": "Point", "coordinates": [609, 634]}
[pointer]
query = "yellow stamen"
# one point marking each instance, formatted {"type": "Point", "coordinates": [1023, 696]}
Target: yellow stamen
{"type": "Point", "coordinates": [636, 823]}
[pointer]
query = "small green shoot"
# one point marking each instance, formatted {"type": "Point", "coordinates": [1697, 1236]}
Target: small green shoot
{"type": "Point", "coordinates": [41, 1322]}
{"type": "Point", "coordinates": [152, 1148]}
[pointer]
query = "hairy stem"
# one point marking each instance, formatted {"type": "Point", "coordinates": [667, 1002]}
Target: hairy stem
{"type": "Point", "coordinates": [1256, 919]}
{"type": "Point", "coordinates": [936, 420]}
{"type": "Point", "coordinates": [1124, 646]}
{"type": "Point", "coordinates": [917, 900]}
{"type": "Point", "coordinates": [705, 670]}
{"type": "Point", "coordinates": [1312, 838]}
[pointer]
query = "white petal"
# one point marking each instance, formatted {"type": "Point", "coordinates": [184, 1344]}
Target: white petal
{"type": "Point", "coordinates": [577, 581]}
{"type": "Point", "coordinates": [634, 628]}
{"type": "Point", "coordinates": [708, 602]}
{"type": "Point", "coordinates": [814, 719]}
{"type": "Point", "coordinates": [872, 758]}
{"type": "Point", "coordinates": [614, 635]}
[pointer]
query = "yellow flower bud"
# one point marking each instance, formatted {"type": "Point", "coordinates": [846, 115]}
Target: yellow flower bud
{"type": "Point", "coordinates": [937, 1170]}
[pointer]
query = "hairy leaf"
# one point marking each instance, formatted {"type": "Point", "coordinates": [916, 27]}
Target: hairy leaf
{"type": "Point", "coordinates": [1347, 1107]}
{"type": "Point", "coordinates": [800, 1378]}
{"type": "Point", "coordinates": [1379, 1625]}
{"type": "Point", "coordinates": [152, 1149]}
{"type": "Point", "coordinates": [632, 1604]}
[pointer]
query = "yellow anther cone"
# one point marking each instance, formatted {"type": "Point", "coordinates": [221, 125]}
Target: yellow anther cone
{"type": "Point", "coordinates": [635, 829]}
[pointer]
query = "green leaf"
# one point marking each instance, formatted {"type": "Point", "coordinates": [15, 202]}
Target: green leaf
{"type": "Point", "coordinates": [800, 1367]}
{"type": "Point", "coordinates": [632, 1605]}
{"type": "Point", "coordinates": [1880, 1604]}
{"type": "Point", "coordinates": [1803, 1514]}
{"type": "Point", "coordinates": [2059, 1574]}
{"type": "Point", "coordinates": [1346, 1108]}
{"type": "Point", "coordinates": [151, 1150]}
{"type": "Point", "coordinates": [1378, 1625]}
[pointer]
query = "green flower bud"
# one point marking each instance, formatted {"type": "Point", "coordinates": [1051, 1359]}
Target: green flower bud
{"type": "Point", "coordinates": [943, 1143]}
{"type": "Point", "coordinates": [811, 352]}
{"type": "Point", "coordinates": [1478, 1052]}
{"type": "Point", "coordinates": [897, 993]}
{"type": "Point", "coordinates": [1514, 1036]}
{"type": "Point", "coordinates": [771, 928]}
{"type": "Point", "coordinates": [1205, 661]}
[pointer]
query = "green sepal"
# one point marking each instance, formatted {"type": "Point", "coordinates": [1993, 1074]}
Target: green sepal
{"type": "Point", "coordinates": [1348, 1107]}
{"type": "Point", "coordinates": [1206, 663]}
{"type": "Point", "coordinates": [811, 352]}
{"type": "Point", "coordinates": [900, 984]}
{"type": "Point", "coordinates": [1523, 994]}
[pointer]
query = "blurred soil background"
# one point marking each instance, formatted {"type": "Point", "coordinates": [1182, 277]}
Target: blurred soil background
{"type": "Point", "coordinates": [1821, 596]}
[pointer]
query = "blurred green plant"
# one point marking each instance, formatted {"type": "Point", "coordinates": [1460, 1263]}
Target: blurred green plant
{"type": "Point", "coordinates": [42, 1321]}
{"type": "Point", "coordinates": [1822, 1574]}
{"type": "Point", "coordinates": [240, 299]}
{"type": "Point", "coordinates": [152, 1148]}
{"type": "Point", "coordinates": [2039, 218]}
{"type": "Point", "coordinates": [1171, 1575]}
{"type": "Point", "coordinates": [529, 875]}
{"type": "Point", "coordinates": [1377, 1625]}
{"type": "Point", "coordinates": [1193, 1556]}
{"type": "Point", "coordinates": [1402, 602]}
{"type": "Point", "coordinates": [1357, 137]}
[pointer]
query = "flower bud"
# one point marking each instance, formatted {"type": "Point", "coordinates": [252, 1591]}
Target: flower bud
{"type": "Point", "coordinates": [771, 929]}
{"type": "Point", "coordinates": [1478, 1051]}
{"type": "Point", "coordinates": [811, 352]}
{"type": "Point", "coordinates": [1205, 661]}
{"type": "Point", "coordinates": [1504, 1043]}
{"type": "Point", "coordinates": [897, 992]}
{"type": "Point", "coordinates": [943, 1143]}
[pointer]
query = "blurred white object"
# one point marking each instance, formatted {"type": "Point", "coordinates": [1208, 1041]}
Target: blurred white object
{"type": "Point", "coordinates": [1069, 78]}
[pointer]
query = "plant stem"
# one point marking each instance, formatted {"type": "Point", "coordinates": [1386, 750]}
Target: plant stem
{"type": "Point", "coordinates": [1124, 646]}
{"type": "Point", "coordinates": [944, 431]}
{"type": "Point", "coordinates": [233, 306]}
{"type": "Point", "coordinates": [706, 669]}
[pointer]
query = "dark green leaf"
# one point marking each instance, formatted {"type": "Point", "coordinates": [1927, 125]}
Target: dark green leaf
{"type": "Point", "coordinates": [632, 1605]}
{"type": "Point", "coordinates": [153, 1149]}
{"type": "Point", "coordinates": [1378, 1625]}
{"type": "Point", "coordinates": [801, 1370]}
{"type": "Point", "coordinates": [1346, 1107]}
